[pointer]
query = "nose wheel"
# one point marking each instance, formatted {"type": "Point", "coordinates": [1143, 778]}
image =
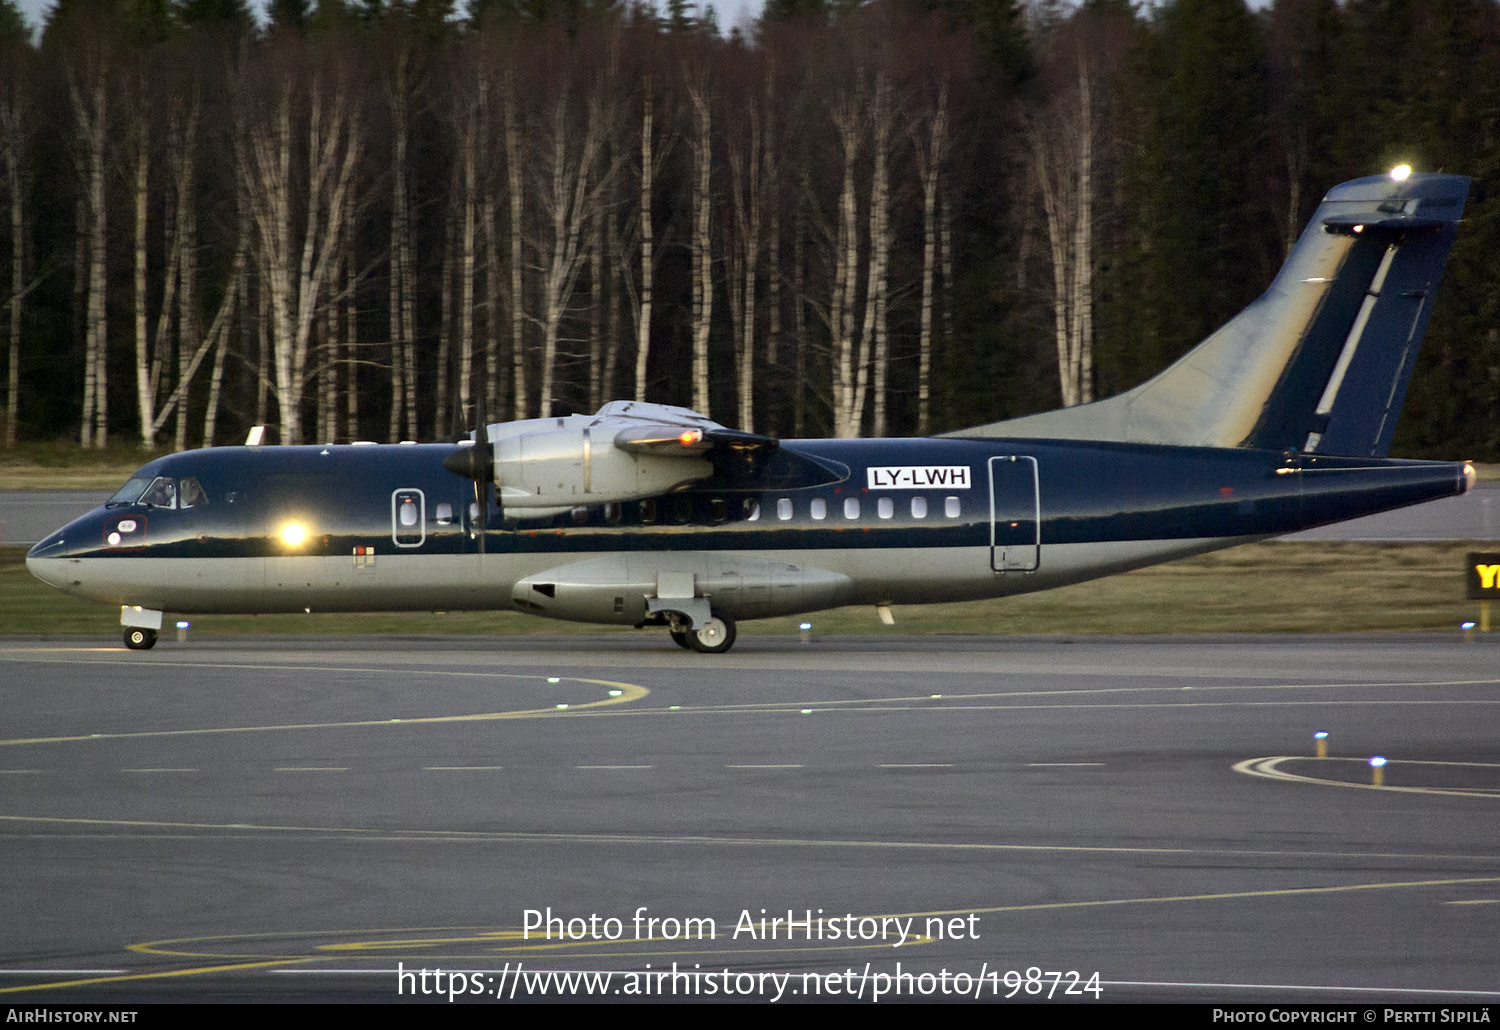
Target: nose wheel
{"type": "Point", "coordinates": [714, 637]}
{"type": "Point", "coordinates": [138, 638]}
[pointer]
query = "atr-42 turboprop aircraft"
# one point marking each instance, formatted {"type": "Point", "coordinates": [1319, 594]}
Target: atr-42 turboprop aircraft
{"type": "Point", "coordinates": [643, 514]}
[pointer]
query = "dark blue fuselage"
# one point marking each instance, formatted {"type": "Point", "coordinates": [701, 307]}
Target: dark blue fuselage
{"type": "Point", "coordinates": [1102, 506]}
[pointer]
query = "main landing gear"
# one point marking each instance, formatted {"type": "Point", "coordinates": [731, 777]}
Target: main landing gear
{"type": "Point", "coordinates": [139, 638]}
{"type": "Point", "coordinates": [714, 637]}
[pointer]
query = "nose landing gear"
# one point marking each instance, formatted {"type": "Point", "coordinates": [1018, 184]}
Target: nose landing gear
{"type": "Point", "coordinates": [139, 638]}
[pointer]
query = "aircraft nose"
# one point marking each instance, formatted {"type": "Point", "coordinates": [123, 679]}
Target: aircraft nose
{"type": "Point", "coordinates": [47, 560]}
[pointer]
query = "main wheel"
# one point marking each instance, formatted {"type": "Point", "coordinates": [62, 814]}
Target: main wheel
{"type": "Point", "coordinates": [714, 637]}
{"type": "Point", "coordinates": [138, 638]}
{"type": "Point", "coordinates": [680, 638]}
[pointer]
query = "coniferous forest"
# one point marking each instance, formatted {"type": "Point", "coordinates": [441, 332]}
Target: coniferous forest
{"type": "Point", "coordinates": [887, 218]}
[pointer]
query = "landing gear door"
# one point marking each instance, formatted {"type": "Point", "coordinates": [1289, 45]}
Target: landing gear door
{"type": "Point", "coordinates": [1015, 514]}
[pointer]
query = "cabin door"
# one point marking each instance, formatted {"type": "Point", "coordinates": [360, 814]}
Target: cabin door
{"type": "Point", "coordinates": [1015, 514]}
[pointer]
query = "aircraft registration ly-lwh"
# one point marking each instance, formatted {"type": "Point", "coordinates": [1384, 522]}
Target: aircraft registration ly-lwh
{"type": "Point", "coordinates": [644, 514]}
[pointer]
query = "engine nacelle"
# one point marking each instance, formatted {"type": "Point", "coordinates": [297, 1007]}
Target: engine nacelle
{"type": "Point", "coordinates": [553, 464]}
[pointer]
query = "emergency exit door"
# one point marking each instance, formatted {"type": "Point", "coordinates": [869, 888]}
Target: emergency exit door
{"type": "Point", "coordinates": [1015, 514]}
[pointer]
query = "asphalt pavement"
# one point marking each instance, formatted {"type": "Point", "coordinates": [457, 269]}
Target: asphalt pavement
{"type": "Point", "coordinates": [1143, 819]}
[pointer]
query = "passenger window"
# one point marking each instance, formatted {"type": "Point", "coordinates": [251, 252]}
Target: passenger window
{"type": "Point", "coordinates": [190, 494]}
{"type": "Point", "coordinates": [819, 508]}
{"type": "Point", "coordinates": [580, 515]}
{"type": "Point", "coordinates": [648, 511]}
{"type": "Point", "coordinates": [444, 514]}
{"type": "Point", "coordinates": [885, 507]}
{"type": "Point", "coordinates": [784, 508]}
{"type": "Point", "coordinates": [919, 507]}
{"type": "Point", "coordinates": [408, 513]}
{"type": "Point", "coordinates": [950, 507]}
{"type": "Point", "coordinates": [682, 509]}
{"type": "Point", "coordinates": [752, 510]}
{"type": "Point", "coordinates": [851, 507]}
{"type": "Point", "coordinates": [718, 509]}
{"type": "Point", "coordinates": [162, 493]}
{"type": "Point", "coordinates": [612, 513]}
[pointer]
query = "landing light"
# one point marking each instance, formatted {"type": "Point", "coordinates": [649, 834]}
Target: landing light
{"type": "Point", "coordinates": [293, 533]}
{"type": "Point", "coordinates": [689, 437]}
{"type": "Point", "coordinates": [1400, 173]}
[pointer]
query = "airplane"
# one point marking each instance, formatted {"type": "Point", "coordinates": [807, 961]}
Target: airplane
{"type": "Point", "coordinates": [647, 514]}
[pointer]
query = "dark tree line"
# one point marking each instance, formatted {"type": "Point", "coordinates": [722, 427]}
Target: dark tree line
{"type": "Point", "coordinates": [897, 217]}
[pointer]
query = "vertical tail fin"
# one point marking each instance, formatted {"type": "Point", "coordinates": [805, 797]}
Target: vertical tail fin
{"type": "Point", "coordinates": [1321, 360]}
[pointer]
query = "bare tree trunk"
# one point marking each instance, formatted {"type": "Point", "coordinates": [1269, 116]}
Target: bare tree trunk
{"type": "Point", "coordinates": [745, 187]}
{"type": "Point", "coordinates": [1083, 281]}
{"type": "Point", "coordinates": [799, 317]}
{"type": "Point", "coordinates": [189, 327]}
{"type": "Point", "coordinates": [263, 348]}
{"type": "Point", "coordinates": [703, 283]}
{"type": "Point", "coordinates": [847, 417]}
{"type": "Point", "coordinates": [91, 113]}
{"type": "Point", "coordinates": [517, 307]}
{"type": "Point", "coordinates": [81, 338]}
{"type": "Point", "coordinates": [333, 150]}
{"type": "Point", "coordinates": [468, 259]}
{"type": "Point", "coordinates": [880, 249]}
{"type": "Point", "coordinates": [397, 96]}
{"type": "Point", "coordinates": [643, 324]}
{"type": "Point", "coordinates": [945, 247]}
{"type": "Point", "coordinates": [613, 261]}
{"type": "Point", "coordinates": [12, 125]}
{"type": "Point", "coordinates": [351, 326]}
{"type": "Point", "coordinates": [1067, 198]}
{"type": "Point", "coordinates": [575, 185]}
{"type": "Point", "coordinates": [493, 387]}
{"type": "Point", "coordinates": [399, 89]}
{"type": "Point", "coordinates": [143, 385]}
{"type": "Point", "coordinates": [772, 177]}
{"type": "Point", "coordinates": [596, 305]}
{"type": "Point", "coordinates": [929, 168]}
{"type": "Point", "coordinates": [442, 415]}
{"type": "Point", "coordinates": [239, 288]}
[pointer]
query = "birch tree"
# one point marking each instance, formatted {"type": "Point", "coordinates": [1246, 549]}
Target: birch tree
{"type": "Point", "coordinates": [297, 265]}
{"type": "Point", "coordinates": [401, 83]}
{"type": "Point", "coordinates": [1062, 155]}
{"type": "Point", "coordinates": [15, 114]}
{"type": "Point", "coordinates": [701, 241]}
{"type": "Point", "coordinates": [89, 75]}
{"type": "Point", "coordinates": [930, 154]}
{"type": "Point", "coordinates": [745, 148]}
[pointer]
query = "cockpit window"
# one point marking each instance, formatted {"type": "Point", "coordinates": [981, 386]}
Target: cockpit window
{"type": "Point", "coordinates": [130, 492]}
{"type": "Point", "coordinates": [162, 493]}
{"type": "Point", "coordinates": [190, 494]}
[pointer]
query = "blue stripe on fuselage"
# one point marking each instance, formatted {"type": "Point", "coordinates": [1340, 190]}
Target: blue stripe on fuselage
{"type": "Point", "coordinates": [1090, 492]}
